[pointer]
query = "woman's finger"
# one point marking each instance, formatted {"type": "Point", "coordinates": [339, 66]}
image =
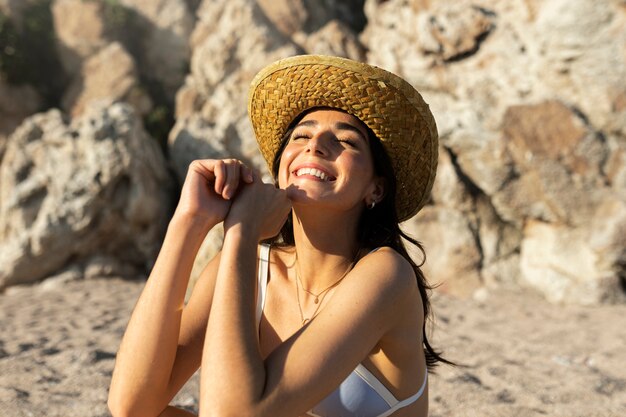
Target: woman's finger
{"type": "Point", "coordinates": [246, 174]}
{"type": "Point", "coordinates": [232, 178]}
{"type": "Point", "coordinates": [219, 169]}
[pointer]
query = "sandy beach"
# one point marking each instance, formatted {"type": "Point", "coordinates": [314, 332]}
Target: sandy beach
{"type": "Point", "coordinates": [519, 355]}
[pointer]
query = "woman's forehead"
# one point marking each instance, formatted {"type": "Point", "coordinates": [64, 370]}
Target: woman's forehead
{"type": "Point", "coordinates": [335, 116]}
{"type": "Point", "coordinates": [331, 114]}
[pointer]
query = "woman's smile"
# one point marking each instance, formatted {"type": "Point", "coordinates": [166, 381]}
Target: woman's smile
{"type": "Point", "coordinates": [313, 172]}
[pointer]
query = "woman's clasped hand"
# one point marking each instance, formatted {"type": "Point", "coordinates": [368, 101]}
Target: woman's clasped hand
{"type": "Point", "coordinates": [227, 190]}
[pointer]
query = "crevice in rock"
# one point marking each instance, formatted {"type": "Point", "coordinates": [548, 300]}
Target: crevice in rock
{"type": "Point", "coordinates": [193, 6]}
{"type": "Point", "coordinates": [464, 55]}
{"type": "Point", "coordinates": [31, 203]}
{"type": "Point", "coordinates": [23, 171]}
{"type": "Point", "coordinates": [581, 115]}
{"type": "Point", "coordinates": [351, 13]}
{"type": "Point", "coordinates": [475, 229]}
{"type": "Point", "coordinates": [120, 191]}
{"type": "Point", "coordinates": [476, 193]}
{"type": "Point", "coordinates": [476, 221]}
{"type": "Point", "coordinates": [598, 135]}
{"type": "Point", "coordinates": [471, 186]}
{"type": "Point", "coordinates": [621, 272]}
{"type": "Point", "coordinates": [514, 175]}
{"type": "Point", "coordinates": [479, 39]}
{"type": "Point", "coordinates": [485, 11]}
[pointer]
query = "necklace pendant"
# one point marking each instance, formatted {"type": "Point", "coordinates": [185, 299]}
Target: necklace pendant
{"type": "Point", "coordinates": [316, 300]}
{"type": "Point", "coordinates": [305, 321]}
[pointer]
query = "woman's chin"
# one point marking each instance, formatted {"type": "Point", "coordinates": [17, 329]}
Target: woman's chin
{"type": "Point", "coordinates": [295, 193]}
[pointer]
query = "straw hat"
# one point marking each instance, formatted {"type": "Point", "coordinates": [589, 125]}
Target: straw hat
{"type": "Point", "coordinates": [386, 103]}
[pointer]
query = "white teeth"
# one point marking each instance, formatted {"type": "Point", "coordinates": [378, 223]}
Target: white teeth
{"type": "Point", "coordinates": [312, 171]}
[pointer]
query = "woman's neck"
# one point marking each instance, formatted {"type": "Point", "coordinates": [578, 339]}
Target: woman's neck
{"type": "Point", "coordinates": [326, 246]}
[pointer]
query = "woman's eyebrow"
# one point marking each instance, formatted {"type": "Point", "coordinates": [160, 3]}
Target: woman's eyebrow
{"type": "Point", "coordinates": [348, 126]}
{"type": "Point", "coordinates": [307, 123]}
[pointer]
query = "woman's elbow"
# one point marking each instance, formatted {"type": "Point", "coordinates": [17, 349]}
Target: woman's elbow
{"type": "Point", "coordinates": [116, 409]}
{"type": "Point", "coordinates": [225, 411]}
{"type": "Point", "coordinates": [119, 407]}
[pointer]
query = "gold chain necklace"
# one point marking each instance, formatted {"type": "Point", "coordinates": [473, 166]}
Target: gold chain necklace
{"type": "Point", "coordinates": [305, 321]}
{"type": "Point", "coordinates": [321, 293]}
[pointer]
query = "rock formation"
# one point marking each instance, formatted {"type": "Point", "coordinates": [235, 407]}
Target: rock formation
{"type": "Point", "coordinates": [526, 98]}
{"type": "Point", "coordinates": [529, 98]}
{"type": "Point", "coordinates": [93, 192]}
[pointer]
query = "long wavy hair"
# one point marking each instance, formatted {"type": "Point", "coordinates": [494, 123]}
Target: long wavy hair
{"type": "Point", "coordinates": [377, 227]}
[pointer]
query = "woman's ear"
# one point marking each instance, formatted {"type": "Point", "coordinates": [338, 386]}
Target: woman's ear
{"type": "Point", "coordinates": [377, 192]}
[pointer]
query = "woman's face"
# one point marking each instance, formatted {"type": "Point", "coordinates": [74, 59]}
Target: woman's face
{"type": "Point", "coordinates": [328, 162]}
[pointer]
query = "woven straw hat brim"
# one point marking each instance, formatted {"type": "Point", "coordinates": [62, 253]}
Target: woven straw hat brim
{"type": "Point", "coordinates": [387, 104]}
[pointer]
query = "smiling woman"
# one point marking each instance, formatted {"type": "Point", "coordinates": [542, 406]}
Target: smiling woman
{"type": "Point", "coordinates": [313, 306]}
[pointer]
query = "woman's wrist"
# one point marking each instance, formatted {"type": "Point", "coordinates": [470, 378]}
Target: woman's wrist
{"type": "Point", "coordinates": [191, 224]}
{"type": "Point", "coordinates": [248, 231]}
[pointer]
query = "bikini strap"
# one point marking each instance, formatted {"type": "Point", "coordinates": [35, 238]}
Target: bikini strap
{"type": "Point", "coordinates": [264, 262]}
{"type": "Point", "coordinates": [408, 401]}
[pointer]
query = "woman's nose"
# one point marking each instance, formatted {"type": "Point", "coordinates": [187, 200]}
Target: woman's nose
{"type": "Point", "coordinates": [318, 144]}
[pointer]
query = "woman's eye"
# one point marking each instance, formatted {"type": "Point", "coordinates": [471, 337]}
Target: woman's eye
{"type": "Point", "coordinates": [348, 142]}
{"type": "Point", "coordinates": [297, 136]}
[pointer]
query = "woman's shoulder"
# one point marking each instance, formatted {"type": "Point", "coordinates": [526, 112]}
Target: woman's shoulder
{"type": "Point", "coordinates": [390, 258]}
{"type": "Point", "coordinates": [395, 277]}
{"type": "Point", "coordinates": [386, 267]}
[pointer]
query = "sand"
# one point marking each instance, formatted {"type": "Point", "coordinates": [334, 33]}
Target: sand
{"type": "Point", "coordinates": [521, 356]}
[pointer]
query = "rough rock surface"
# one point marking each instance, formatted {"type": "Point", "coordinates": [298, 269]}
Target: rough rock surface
{"type": "Point", "coordinates": [308, 16]}
{"type": "Point", "coordinates": [80, 29]}
{"type": "Point", "coordinates": [154, 33]}
{"type": "Point", "coordinates": [334, 38]}
{"type": "Point", "coordinates": [16, 103]}
{"type": "Point", "coordinates": [164, 52]}
{"type": "Point", "coordinates": [527, 97]}
{"type": "Point", "coordinates": [91, 191]}
{"type": "Point", "coordinates": [110, 74]}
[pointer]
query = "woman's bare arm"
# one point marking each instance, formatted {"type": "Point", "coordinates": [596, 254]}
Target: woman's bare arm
{"type": "Point", "coordinates": [146, 356]}
{"type": "Point", "coordinates": [157, 353]}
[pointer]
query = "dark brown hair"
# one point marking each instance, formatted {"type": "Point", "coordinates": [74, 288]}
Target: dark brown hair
{"type": "Point", "coordinates": [377, 227]}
